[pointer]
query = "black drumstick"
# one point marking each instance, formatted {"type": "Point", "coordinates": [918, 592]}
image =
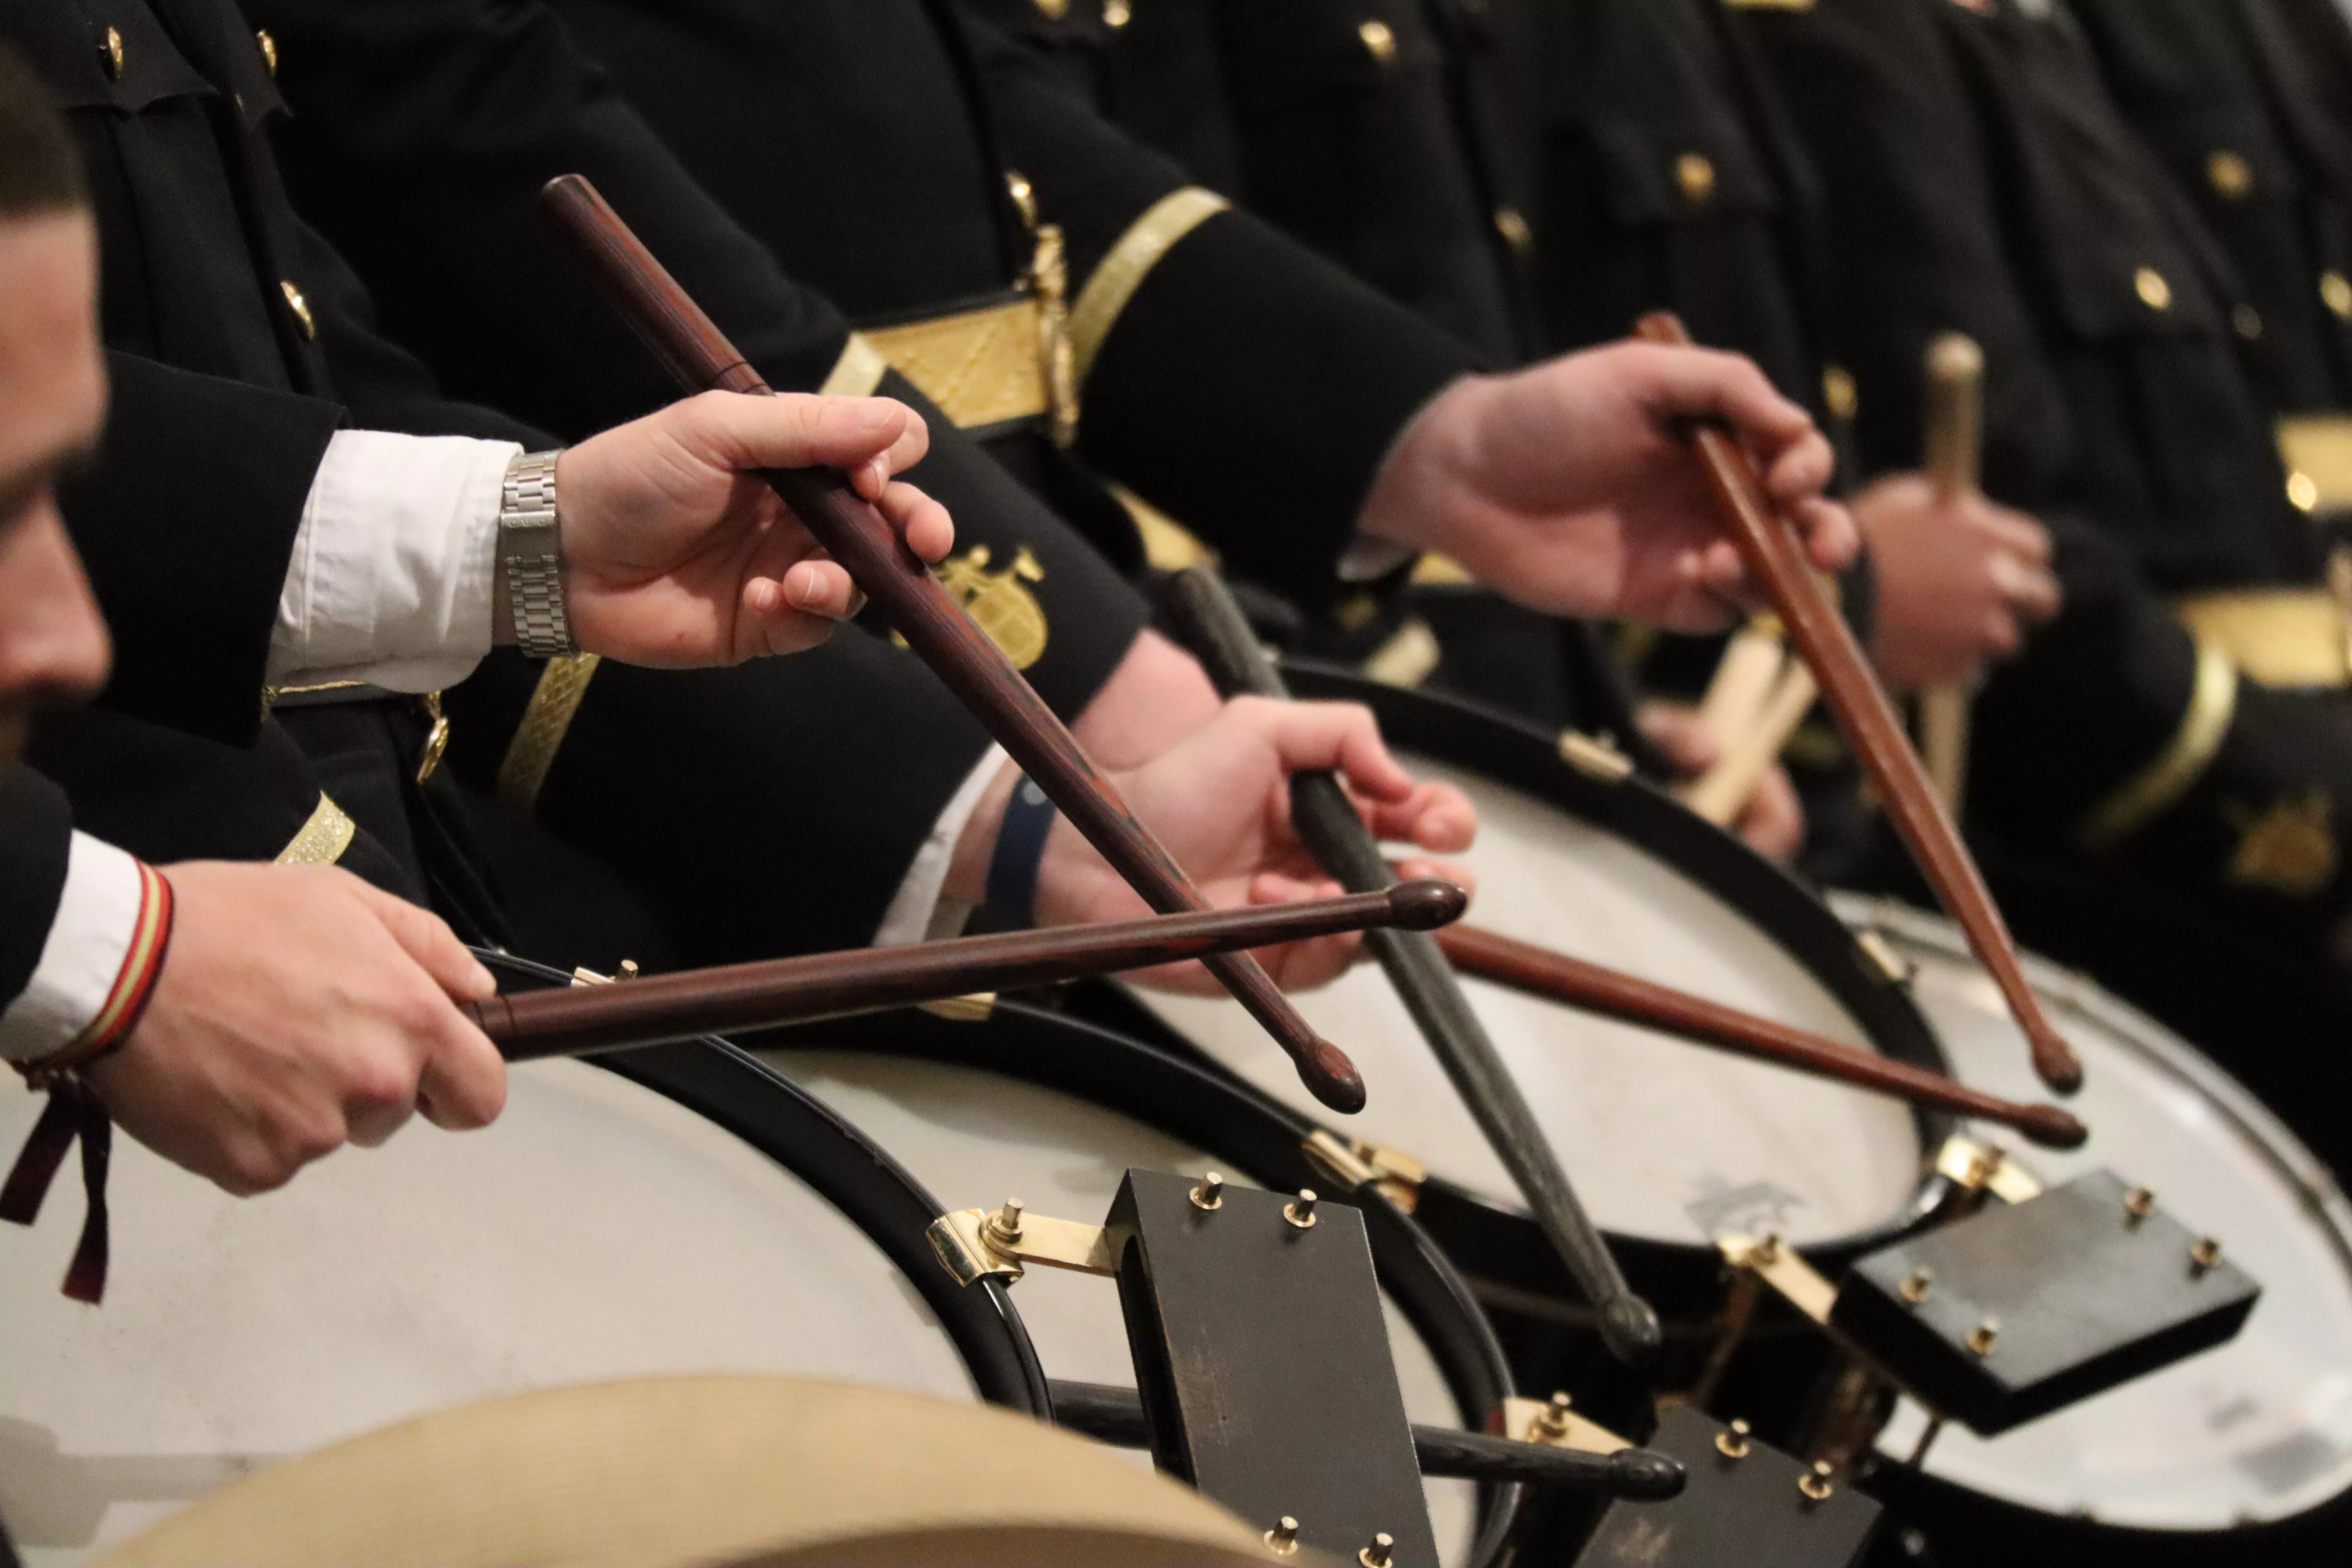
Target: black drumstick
{"type": "Point", "coordinates": [1211, 624]}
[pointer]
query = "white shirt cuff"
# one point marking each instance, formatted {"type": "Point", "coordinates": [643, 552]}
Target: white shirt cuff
{"type": "Point", "coordinates": [88, 942]}
{"type": "Point", "coordinates": [918, 912]}
{"type": "Point", "coordinates": [393, 566]}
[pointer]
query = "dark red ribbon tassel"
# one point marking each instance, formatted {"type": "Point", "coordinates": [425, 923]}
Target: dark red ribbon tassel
{"type": "Point", "coordinates": [74, 1112]}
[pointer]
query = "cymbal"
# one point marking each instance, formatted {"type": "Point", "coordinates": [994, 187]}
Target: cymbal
{"type": "Point", "coordinates": [708, 1471]}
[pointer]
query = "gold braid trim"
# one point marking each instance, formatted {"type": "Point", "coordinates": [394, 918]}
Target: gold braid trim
{"type": "Point", "coordinates": [323, 838]}
{"type": "Point", "coordinates": [1120, 273]}
{"type": "Point", "coordinates": [2212, 702]}
{"type": "Point", "coordinates": [522, 772]}
{"type": "Point", "coordinates": [857, 372]}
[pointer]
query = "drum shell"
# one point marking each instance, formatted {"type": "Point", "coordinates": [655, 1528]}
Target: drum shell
{"type": "Point", "coordinates": [1255, 1136]}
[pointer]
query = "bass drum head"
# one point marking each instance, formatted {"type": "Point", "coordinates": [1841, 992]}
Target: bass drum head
{"type": "Point", "coordinates": [598, 1230]}
{"type": "Point", "coordinates": [2254, 1432]}
{"type": "Point", "coordinates": [976, 1138]}
{"type": "Point", "coordinates": [1665, 1142]}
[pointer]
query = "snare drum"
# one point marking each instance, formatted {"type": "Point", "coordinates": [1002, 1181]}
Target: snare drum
{"type": "Point", "coordinates": [1031, 1105]}
{"type": "Point", "coordinates": [688, 1212]}
{"type": "Point", "coordinates": [2241, 1455]}
{"type": "Point", "coordinates": [1668, 1144]}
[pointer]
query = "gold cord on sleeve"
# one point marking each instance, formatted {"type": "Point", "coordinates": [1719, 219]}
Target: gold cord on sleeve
{"type": "Point", "coordinates": [323, 838]}
{"type": "Point", "coordinates": [1120, 273]}
{"type": "Point", "coordinates": [2212, 702]}
{"type": "Point", "coordinates": [522, 772]}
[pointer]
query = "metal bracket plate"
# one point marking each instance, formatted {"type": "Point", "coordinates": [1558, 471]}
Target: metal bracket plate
{"type": "Point", "coordinates": [973, 1243]}
{"type": "Point", "coordinates": [1777, 1263]}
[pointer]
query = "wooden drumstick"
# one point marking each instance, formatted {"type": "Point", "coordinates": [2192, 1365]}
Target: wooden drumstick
{"type": "Point", "coordinates": [1775, 558]}
{"type": "Point", "coordinates": [1954, 439]}
{"type": "Point", "coordinates": [653, 1009]}
{"type": "Point", "coordinates": [1722, 792]}
{"type": "Point", "coordinates": [1591, 988]}
{"type": "Point", "coordinates": [1212, 625]}
{"type": "Point", "coordinates": [1743, 680]}
{"type": "Point", "coordinates": [686, 341]}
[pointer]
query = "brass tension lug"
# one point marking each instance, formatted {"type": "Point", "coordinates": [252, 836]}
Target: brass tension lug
{"type": "Point", "coordinates": [1356, 1164]}
{"type": "Point", "coordinates": [1790, 1277]}
{"type": "Point", "coordinates": [1985, 1168]}
{"type": "Point", "coordinates": [974, 1244]}
{"type": "Point", "coordinates": [1554, 1422]}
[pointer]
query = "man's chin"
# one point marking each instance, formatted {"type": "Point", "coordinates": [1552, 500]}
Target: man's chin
{"type": "Point", "coordinates": [14, 729]}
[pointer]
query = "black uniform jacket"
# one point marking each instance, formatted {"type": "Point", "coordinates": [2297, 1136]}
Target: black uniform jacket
{"type": "Point", "coordinates": [1980, 179]}
{"type": "Point", "coordinates": [36, 831]}
{"type": "Point", "coordinates": [252, 343]}
{"type": "Point", "coordinates": [1246, 388]}
{"type": "Point", "coordinates": [2232, 98]}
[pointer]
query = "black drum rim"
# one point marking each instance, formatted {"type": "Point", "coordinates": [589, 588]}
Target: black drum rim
{"type": "Point", "coordinates": [1189, 1098]}
{"type": "Point", "coordinates": [1793, 915]}
{"type": "Point", "coordinates": [734, 1090]}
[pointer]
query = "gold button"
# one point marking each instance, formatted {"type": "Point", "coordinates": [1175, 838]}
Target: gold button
{"type": "Point", "coordinates": [1380, 41]}
{"type": "Point", "coordinates": [301, 308]}
{"type": "Point", "coordinates": [1116, 13]}
{"type": "Point", "coordinates": [1839, 394]}
{"type": "Point", "coordinates": [268, 47]}
{"type": "Point", "coordinates": [2335, 293]}
{"type": "Point", "coordinates": [110, 54]}
{"type": "Point", "coordinates": [2246, 321]}
{"type": "Point", "coordinates": [1512, 228]}
{"type": "Point", "coordinates": [2232, 176]}
{"type": "Point", "coordinates": [1054, 10]}
{"type": "Point", "coordinates": [2303, 491]}
{"type": "Point", "coordinates": [1694, 177]}
{"type": "Point", "coordinates": [1025, 197]}
{"type": "Point", "coordinates": [2153, 291]}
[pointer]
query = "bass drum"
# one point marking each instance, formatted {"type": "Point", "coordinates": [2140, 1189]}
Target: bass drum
{"type": "Point", "coordinates": [686, 1212]}
{"type": "Point", "coordinates": [1033, 1105]}
{"type": "Point", "coordinates": [1668, 1144]}
{"type": "Point", "coordinates": [2241, 1455]}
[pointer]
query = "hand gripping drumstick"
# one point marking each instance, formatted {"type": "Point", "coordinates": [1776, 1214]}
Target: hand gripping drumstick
{"type": "Point", "coordinates": [1955, 441]}
{"type": "Point", "coordinates": [1214, 628]}
{"type": "Point", "coordinates": [1589, 987]}
{"type": "Point", "coordinates": [942, 636]}
{"type": "Point", "coordinates": [1770, 546]}
{"type": "Point", "coordinates": [653, 1009]}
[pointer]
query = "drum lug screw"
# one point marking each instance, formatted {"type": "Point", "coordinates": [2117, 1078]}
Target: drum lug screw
{"type": "Point", "coordinates": [1004, 1224]}
{"type": "Point", "coordinates": [1210, 1192]}
{"type": "Point", "coordinates": [1980, 1342]}
{"type": "Point", "coordinates": [1282, 1539]}
{"type": "Point", "coordinates": [1300, 1211]}
{"type": "Point", "coordinates": [628, 969]}
{"type": "Point", "coordinates": [2139, 1204]}
{"type": "Point", "coordinates": [1379, 1554]}
{"type": "Point", "coordinates": [1914, 1288]}
{"type": "Point", "coordinates": [1552, 1420]}
{"type": "Point", "coordinates": [1815, 1482]}
{"type": "Point", "coordinates": [1732, 1441]}
{"type": "Point", "coordinates": [1768, 1251]}
{"type": "Point", "coordinates": [2205, 1255]}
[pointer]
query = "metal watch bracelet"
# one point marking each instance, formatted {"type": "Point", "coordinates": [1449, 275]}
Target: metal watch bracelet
{"type": "Point", "coordinates": [530, 552]}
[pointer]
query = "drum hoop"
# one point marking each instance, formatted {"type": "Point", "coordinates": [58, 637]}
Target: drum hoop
{"type": "Point", "coordinates": [1203, 1104]}
{"type": "Point", "coordinates": [736, 1092]}
{"type": "Point", "coordinates": [1785, 911]}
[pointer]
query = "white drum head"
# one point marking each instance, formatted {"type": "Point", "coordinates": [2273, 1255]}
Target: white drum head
{"type": "Point", "coordinates": [974, 1139]}
{"type": "Point", "coordinates": [2254, 1430]}
{"type": "Point", "coordinates": [597, 1231]}
{"type": "Point", "coordinates": [1664, 1140]}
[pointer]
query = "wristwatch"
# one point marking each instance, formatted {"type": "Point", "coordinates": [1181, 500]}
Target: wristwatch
{"type": "Point", "coordinates": [531, 549]}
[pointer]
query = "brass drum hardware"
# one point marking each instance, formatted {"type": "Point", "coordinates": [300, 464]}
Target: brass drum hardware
{"type": "Point", "coordinates": [1300, 1211]}
{"type": "Point", "coordinates": [1732, 1441]}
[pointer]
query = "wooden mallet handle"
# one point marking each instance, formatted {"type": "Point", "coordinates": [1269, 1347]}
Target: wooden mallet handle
{"type": "Point", "coordinates": [686, 341]}
{"type": "Point", "coordinates": [656, 1008]}
{"type": "Point", "coordinates": [1775, 558]}
{"type": "Point", "coordinates": [1589, 987]}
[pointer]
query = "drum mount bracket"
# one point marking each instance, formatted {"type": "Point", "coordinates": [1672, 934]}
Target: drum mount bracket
{"type": "Point", "coordinates": [974, 1244]}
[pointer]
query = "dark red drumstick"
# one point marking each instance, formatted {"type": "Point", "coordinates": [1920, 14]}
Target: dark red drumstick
{"type": "Point", "coordinates": [656, 1008]}
{"type": "Point", "coordinates": [1775, 558]}
{"type": "Point", "coordinates": [891, 575]}
{"type": "Point", "coordinates": [1556, 977]}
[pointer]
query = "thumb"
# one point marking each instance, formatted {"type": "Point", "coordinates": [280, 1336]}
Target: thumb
{"type": "Point", "coordinates": [426, 938]}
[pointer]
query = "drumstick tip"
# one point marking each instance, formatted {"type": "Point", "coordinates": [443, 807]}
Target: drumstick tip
{"type": "Point", "coordinates": [1425, 903]}
{"type": "Point", "coordinates": [2052, 1127]}
{"type": "Point", "coordinates": [1643, 1474]}
{"type": "Point", "coordinates": [2055, 1061]}
{"type": "Point", "coordinates": [1330, 1077]}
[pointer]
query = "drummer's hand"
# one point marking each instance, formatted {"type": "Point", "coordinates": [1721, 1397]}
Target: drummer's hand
{"type": "Point", "coordinates": [298, 1008]}
{"type": "Point", "coordinates": [1568, 487]}
{"type": "Point", "coordinates": [1958, 582]}
{"type": "Point", "coordinates": [1157, 696]}
{"type": "Point", "coordinates": [1220, 801]}
{"type": "Point", "coordinates": [676, 555]}
{"type": "Point", "coordinates": [1772, 822]}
